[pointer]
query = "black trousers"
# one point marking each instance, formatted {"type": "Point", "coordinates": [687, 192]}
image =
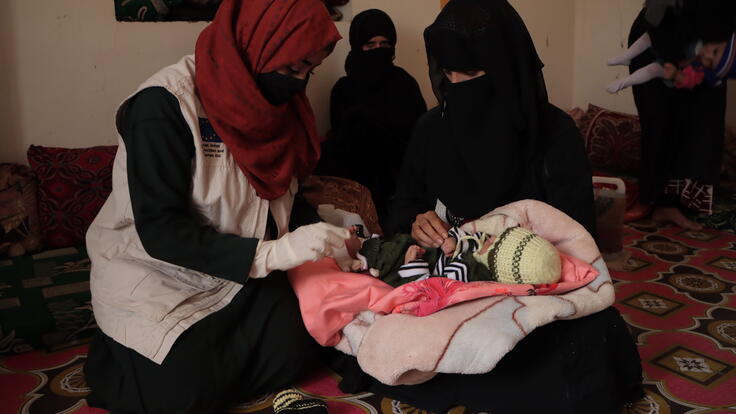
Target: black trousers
{"type": "Point", "coordinates": [257, 344]}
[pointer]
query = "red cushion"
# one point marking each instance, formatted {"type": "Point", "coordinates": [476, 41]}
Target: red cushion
{"type": "Point", "coordinates": [612, 140]}
{"type": "Point", "coordinates": [73, 186]}
{"type": "Point", "coordinates": [20, 232]}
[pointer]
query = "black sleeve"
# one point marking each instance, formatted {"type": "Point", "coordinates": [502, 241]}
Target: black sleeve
{"type": "Point", "coordinates": [567, 177]}
{"type": "Point", "coordinates": [412, 108]}
{"type": "Point", "coordinates": [412, 194]}
{"type": "Point", "coordinates": [160, 151]}
{"type": "Point", "coordinates": [337, 105]}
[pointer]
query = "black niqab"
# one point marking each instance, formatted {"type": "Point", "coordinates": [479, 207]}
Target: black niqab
{"type": "Point", "coordinates": [490, 138]}
{"type": "Point", "coordinates": [373, 111]}
{"type": "Point", "coordinates": [367, 69]}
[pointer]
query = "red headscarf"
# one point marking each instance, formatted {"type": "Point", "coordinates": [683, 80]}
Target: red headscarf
{"type": "Point", "coordinates": [249, 37]}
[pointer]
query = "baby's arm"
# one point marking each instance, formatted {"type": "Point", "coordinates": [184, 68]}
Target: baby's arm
{"type": "Point", "coordinates": [413, 253]}
{"type": "Point", "coordinates": [414, 265]}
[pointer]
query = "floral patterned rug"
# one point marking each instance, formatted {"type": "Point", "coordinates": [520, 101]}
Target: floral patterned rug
{"type": "Point", "coordinates": [677, 292]}
{"type": "Point", "coordinates": [675, 288]}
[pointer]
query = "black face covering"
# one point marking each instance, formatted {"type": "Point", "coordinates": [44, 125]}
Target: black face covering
{"type": "Point", "coordinates": [465, 103]}
{"type": "Point", "coordinates": [368, 68]}
{"type": "Point", "coordinates": [278, 89]}
{"type": "Point", "coordinates": [489, 141]}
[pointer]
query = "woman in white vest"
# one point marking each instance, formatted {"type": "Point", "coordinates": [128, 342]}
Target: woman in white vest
{"type": "Point", "coordinates": [189, 252]}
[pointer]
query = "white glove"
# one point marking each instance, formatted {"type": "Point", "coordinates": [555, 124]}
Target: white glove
{"type": "Point", "coordinates": [307, 243]}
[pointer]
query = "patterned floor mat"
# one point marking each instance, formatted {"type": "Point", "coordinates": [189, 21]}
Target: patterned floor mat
{"type": "Point", "coordinates": [677, 291]}
{"type": "Point", "coordinates": [675, 288]}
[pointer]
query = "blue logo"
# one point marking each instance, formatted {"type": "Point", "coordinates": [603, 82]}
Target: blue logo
{"type": "Point", "coordinates": [207, 132]}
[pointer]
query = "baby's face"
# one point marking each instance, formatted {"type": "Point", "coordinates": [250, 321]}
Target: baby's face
{"type": "Point", "coordinates": [712, 53]}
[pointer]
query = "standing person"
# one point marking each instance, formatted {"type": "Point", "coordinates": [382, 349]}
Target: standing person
{"type": "Point", "coordinates": [189, 252]}
{"type": "Point", "coordinates": [493, 140]}
{"type": "Point", "coordinates": [372, 110]}
{"type": "Point", "coordinates": [682, 130]}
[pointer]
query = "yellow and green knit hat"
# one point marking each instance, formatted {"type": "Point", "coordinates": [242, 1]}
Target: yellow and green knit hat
{"type": "Point", "coordinates": [520, 256]}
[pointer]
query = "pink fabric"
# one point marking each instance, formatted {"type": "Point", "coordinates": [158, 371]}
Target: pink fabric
{"type": "Point", "coordinates": [690, 77]}
{"type": "Point", "coordinates": [330, 299]}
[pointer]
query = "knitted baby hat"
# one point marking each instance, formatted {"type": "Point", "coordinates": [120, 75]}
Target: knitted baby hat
{"type": "Point", "coordinates": [520, 256]}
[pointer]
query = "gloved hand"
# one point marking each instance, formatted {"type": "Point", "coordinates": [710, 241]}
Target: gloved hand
{"type": "Point", "coordinates": [307, 243]}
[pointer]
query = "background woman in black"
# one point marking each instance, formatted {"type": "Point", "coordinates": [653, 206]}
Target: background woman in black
{"type": "Point", "coordinates": [372, 110]}
{"type": "Point", "coordinates": [493, 140]}
{"type": "Point", "coordinates": [682, 130]}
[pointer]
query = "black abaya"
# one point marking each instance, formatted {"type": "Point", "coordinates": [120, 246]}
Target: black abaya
{"type": "Point", "coordinates": [492, 141]}
{"type": "Point", "coordinates": [372, 111]}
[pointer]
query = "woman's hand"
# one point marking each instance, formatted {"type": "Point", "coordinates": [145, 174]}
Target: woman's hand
{"type": "Point", "coordinates": [305, 244]}
{"type": "Point", "coordinates": [429, 230]}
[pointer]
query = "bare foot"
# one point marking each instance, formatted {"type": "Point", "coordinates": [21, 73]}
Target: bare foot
{"type": "Point", "coordinates": [674, 215]}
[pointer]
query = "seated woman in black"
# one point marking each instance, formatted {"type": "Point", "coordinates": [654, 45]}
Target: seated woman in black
{"type": "Point", "coordinates": [493, 140]}
{"type": "Point", "coordinates": [373, 110]}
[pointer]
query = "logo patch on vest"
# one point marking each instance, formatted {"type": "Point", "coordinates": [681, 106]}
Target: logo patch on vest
{"type": "Point", "coordinates": [212, 145]}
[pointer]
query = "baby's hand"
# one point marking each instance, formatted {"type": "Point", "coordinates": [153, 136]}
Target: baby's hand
{"type": "Point", "coordinates": [414, 252]}
{"type": "Point", "coordinates": [670, 71]}
{"type": "Point", "coordinates": [487, 245]}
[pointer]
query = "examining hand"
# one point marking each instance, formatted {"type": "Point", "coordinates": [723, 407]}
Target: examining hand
{"type": "Point", "coordinates": [307, 243]}
{"type": "Point", "coordinates": [429, 230]}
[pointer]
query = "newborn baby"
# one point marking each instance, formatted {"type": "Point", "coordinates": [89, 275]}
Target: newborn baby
{"type": "Point", "coordinates": [516, 256]}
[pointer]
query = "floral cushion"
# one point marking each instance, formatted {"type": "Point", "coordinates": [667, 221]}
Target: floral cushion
{"type": "Point", "coordinates": [20, 231]}
{"type": "Point", "coordinates": [344, 194]}
{"type": "Point", "coordinates": [73, 186]}
{"type": "Point", "coordinates": [612, 140]}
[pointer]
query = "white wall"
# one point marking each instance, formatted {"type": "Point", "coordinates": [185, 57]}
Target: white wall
{"type": "Point", "coordinates": [552, 26]}
{"type": "Point", "coordinates": [602, 31]}
{"type": "Point", "coordinates": [67, 64]}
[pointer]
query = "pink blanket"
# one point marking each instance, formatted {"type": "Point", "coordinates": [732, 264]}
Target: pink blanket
{"type": "Point", "coordinates": [330, 299]}
{"type": "Point", "coordinates": [468, 328]}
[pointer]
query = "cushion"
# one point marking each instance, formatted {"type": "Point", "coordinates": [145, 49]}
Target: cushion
{"type": "Point", "coordinates": [21, 232]}
{"type": "Point", "coordinates": [73, 186]}
{"type": "Point", "coordinates": [612, 140]}
{"type": "Point", "coordinates": [344, 194]}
